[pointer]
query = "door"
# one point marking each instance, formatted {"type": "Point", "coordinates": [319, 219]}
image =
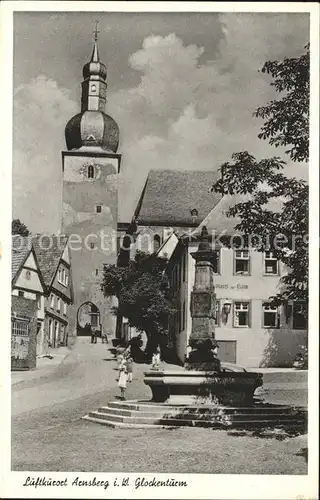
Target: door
{"type": "Point", "coordinates": [56, 337]}
{"type": "Point", "coordinates": [51, 336]}
{"type": "Point", "coordinates": [227, 350]}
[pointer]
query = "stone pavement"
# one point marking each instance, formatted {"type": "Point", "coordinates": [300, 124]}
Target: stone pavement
{"type": "Point", "coordinates": [45, 366]}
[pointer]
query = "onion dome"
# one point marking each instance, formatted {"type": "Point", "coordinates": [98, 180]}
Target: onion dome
{"type": "Point", "coordinates": [93, 128]}
{"type": "Point", "coordinates": [95, 67]}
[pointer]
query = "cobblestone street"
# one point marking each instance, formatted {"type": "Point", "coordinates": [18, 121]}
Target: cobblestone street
{"type": "Point", "coordinates": [47, 430]}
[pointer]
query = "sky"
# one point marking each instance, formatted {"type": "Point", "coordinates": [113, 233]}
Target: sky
{"type": "Point", "coordinates": [181, 86]}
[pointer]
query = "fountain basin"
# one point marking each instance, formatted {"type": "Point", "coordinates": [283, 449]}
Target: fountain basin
{"type": "Point", "coordinates": [227, 388]}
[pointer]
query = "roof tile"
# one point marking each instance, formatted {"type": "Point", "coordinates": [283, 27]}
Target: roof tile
{"type": "Point", "coordinates": [170, 195]}
{"type": "Point", "coordinates": [49, 250]}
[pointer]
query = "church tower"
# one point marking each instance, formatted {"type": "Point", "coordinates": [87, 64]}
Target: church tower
{"type": "Point", "coordinates": [90, 199]}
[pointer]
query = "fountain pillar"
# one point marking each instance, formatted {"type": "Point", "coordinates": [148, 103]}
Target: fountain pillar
{"type": "Point", "coordinates": [204, 380]}
{"type": "Point", "coordinates": [203, 309]}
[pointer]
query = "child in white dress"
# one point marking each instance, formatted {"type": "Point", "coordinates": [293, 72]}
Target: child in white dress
{"type": "Point", "coordinates": [123, 378]}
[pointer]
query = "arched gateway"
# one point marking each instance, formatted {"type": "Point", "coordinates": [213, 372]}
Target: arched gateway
{"type": "Point", "coordinates": [88, 319]}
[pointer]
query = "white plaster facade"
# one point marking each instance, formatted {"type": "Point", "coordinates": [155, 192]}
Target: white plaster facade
{"type": "Point", "coordinates": [251, 345]}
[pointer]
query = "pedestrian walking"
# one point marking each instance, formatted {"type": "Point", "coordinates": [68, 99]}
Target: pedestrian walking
{"type": "Point", "coordinates": [156, 358]}
{"type": "Point", "coordinates": [122, 383]}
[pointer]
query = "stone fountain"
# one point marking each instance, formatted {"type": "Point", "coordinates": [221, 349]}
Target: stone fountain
{"type": "Point", "coordinates": [204, 379]}
{"type": "Point", "coordinates": [206, 392]}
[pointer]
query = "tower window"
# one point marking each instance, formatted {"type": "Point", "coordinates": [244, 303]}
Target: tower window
{"type": "Point", "coordinates": [92, 246]}
{"type": "Point", "coordinates": [98, 209]}
{"type": "Point", "coordinates": [90, 172]}
{"type": "Point", "coordinates": [93, 88]}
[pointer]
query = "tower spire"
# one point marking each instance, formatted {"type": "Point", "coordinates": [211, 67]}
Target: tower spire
{"type": "Point", "coordinates": [95, 52]}
{"type": "Point", "coordinates": [96, 31]}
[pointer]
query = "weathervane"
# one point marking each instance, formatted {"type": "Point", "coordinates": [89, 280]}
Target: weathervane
{"type": "Point", "coordinates": [96, 31]}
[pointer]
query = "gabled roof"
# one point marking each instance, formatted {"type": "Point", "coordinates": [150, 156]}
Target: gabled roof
{"type": "Point", "coordinates": [49, 250]}
{"type": "Point", "coordinates": [169, 196]}
{"type": "Point", "coordinates": [21, 248]}
{"type": "Point", "coordinates": [168, 246]}
{"type": "Point", "coordinates": [218, 221]}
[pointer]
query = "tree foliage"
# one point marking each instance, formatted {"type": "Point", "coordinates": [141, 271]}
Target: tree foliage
{"type": "Point", "coordinates": [275, 207]}
{"type": "Point", "coordinates": [143, 295]}
{"type": "Point", "coordinates": [18, 227]}
{"type": "Point", "coordinates": [287, 119]}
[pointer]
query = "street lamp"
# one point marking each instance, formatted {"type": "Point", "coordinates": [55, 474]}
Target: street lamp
{"type": "Point", "coordinates": [226, 309]}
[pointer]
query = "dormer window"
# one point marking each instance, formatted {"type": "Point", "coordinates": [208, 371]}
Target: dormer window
{"type": "Point", "coordinates": [90, 172]}
{"type": "Point", "coordinates": [194, 214]}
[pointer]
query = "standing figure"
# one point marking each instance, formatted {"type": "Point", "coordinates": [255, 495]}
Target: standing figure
{"type": "Point", "coordinates": [120, 358]}
{"type": "Point", "coordinates": [122, 383]}
{"type": "Point", "coordinates": [129, 361]}
{"type": "Point", "coordinates": [92, 334]}
{"type": "Point", "coordinates": [156, 358]}
{"type": "Point", "coordinates": [104, 338]}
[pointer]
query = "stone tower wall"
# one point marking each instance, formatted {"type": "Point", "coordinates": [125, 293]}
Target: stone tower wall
{"type": "Point", "coordinates": [86, 226]}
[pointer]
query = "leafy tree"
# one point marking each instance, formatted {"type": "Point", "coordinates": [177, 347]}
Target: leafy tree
{"type": "Point", "coordinates": [143, 296]}
{"type": "Point", "coordinates": [275, 207]}
{"type": "Point", "coordinates": [18, 227]}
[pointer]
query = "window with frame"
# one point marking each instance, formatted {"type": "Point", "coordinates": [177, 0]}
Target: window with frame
{"type": "Point", "coordinates": [217, 314]}
{"type": "Point", "coordinates": [20, 293]}
{"type": "Point", "coordinates": [241, 316]}
{"type": "Point", "coordinates": [52, 301]}
{"type": "Point", "coordinates": [242, 262]}
{"type": "Point", "coordinates": [216, 262]}
{"type": "Point", "coordinates": [183, 316]}
{"type": "Point", "coordinates": [65, 308]}
{"type": "Point", "coordinates": [39, 302]}
{"type": "Point", "coordinates": [98, 209]}
{"type": "Point", "coordinates": [270, 316]}
{"type": "Point", "coordinates": [178, 320]}
{"type": "Point", "coordinates": [58, 304]}
{"type": "Point", "coordinates": [184, 267]}
{"type": "Point", "coordinates": [271, 263]}
{"type": "Point", "coordinates": [179, 275]}
{"type": "Point", "coordinates": [28, 274]}
{"type": "Point", "coordinates": [299, 316]}
{"type": "Point", "coordinates": [20, 327]}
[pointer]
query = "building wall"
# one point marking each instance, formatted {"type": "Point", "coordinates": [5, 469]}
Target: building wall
{"type": "Point", "coordinates": [145, 236]}
{"type": "Point", "coordinates": [28, 283]}
{"type": "Point", "coordinates": [22, 307]}
{"type": "Point", "coordinates": [58, 317]}
{"type": "Point", "coordinates": [255, 345]}
{"type": "Point", "coordinates": [28, 278]}
{"type": "Point", "coordinates": [86, 227]}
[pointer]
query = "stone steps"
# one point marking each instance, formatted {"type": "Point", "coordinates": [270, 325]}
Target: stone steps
{"type": "Point", "coordinates": [127, 408]}
{"type": "Point", "coordinates": [189, 414]}
{"type": "Point", "coordinates": [140, 414]}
